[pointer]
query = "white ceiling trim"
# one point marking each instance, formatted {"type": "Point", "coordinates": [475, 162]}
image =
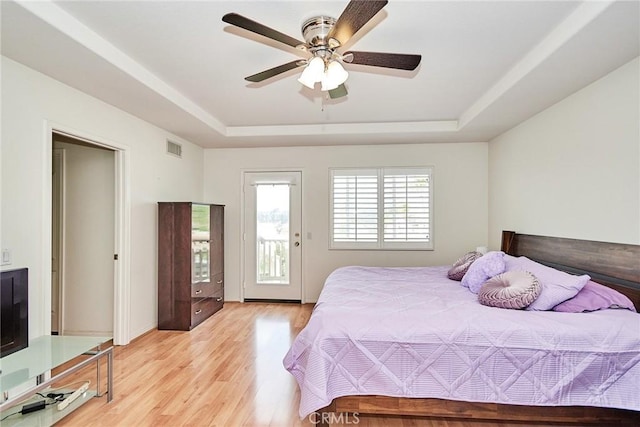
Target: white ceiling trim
{"type": "Point", "coordinates": [76, 30]}
{"type": "Point", "coordinates": [573, 24]}
{"type": "Point", "coordinates": [346, 128]}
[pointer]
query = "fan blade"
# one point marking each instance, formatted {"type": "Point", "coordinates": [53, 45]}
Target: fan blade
{"type": "Point", "coordinates": [338, 92]}
{"type": "Point", "coordinates": [263, 30]}
{"type": "Point", "coordinates": [355, 15]}
{"type": "Point", "coordinates": [267, 74]}
{"type": "Point", "coordinates": [399, 61]}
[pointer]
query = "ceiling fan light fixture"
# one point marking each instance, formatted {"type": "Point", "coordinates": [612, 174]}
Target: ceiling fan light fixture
{"type": "Point", "coordinates": [324, 36]}
{"type": "Point", "coordinates": [334, 76]}
{"type": "Point", "coordinates": [313, 72]}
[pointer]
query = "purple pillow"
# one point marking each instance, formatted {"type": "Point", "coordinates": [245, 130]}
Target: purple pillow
{"type": "Point", "coordinates": [557, 286]}
{"type": "Point", "coordinates": [460, 267]}
{"type": "Point", "coordinates": [511, 289]}
{"type": "Point", "coordinates": [482, 269]}
{"type": "Point", "coordinates": [595, 296]}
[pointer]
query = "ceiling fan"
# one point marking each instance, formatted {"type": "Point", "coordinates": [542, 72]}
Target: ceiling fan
{"type": "Point", "coordinates": [324, 36]}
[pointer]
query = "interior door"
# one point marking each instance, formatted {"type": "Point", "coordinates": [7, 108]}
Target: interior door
{"type": "Point", "coordinates": [272, 236]}
{"type": "Point", "coordinates": [57, 214]}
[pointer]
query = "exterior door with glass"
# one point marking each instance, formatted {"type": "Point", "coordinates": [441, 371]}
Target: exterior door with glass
{"type": "Point", "coordinates": [272, 236]}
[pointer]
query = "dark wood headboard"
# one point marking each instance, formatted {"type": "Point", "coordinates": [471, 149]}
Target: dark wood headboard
{"type": "Point", "coordinates": [613, 264]}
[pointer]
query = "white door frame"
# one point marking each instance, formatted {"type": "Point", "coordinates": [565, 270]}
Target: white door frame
{"type": "Point", "coordinates": [243, 242]}
{"type": "Point", "coordinates": [122, 240]}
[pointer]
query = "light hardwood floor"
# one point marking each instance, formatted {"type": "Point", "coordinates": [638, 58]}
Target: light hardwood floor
{"type": "Point", "coordinates": [226, 372]}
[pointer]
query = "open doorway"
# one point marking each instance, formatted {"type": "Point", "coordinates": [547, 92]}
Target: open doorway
{"type": "Point", "coordinates": [83, 230]}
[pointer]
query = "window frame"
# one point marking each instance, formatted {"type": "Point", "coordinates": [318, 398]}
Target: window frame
{"type": "Point", "coordinates": [380, 243]}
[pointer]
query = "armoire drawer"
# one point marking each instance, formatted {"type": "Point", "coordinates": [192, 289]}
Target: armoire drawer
{"type": "Point", "coordinates": [208, 289]}
{"type": "Point", "coordinates": [204, 308]}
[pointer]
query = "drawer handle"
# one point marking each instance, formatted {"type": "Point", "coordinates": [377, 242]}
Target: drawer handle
{"type": "Point", "coordinates": [198, 312]}
{"type": "Point", "coordinates": [218, 282]}
{"type": "Point", "coordinates": [199, 291]}
{"type": "Point", "coordinates": [218, 299]}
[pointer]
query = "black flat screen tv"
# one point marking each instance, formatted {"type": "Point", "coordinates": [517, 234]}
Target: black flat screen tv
{"type": "Point", "coordinates": [14, 311]}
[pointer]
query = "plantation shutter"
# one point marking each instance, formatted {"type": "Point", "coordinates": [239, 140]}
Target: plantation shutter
{"type": "Point", "coordinates": [381, 208]}
{"type": "Point", "coordinates": [355, 206]}
{"type": "Point", "coordinates": [406, 206]}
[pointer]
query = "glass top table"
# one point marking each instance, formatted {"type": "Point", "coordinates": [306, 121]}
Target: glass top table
{"type": "Point", "coordinates": [43, 354]}
{"type": "Point", "coordinates": [26, 369]}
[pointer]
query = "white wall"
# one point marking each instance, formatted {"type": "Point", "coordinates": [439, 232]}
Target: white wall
{"type": "Point", "coordinates": [573, 170]}
{"type": "Point", "coordinates": [30, 102]}
{"type": "Point", "coordinates": [460, 191]}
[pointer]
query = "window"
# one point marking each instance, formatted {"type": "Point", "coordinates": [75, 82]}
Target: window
{"type": "Point", "coordinates": [382, 208]}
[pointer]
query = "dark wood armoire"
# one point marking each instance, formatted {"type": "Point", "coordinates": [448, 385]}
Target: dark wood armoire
{"type": "Point", "coordinates": [190, 263]}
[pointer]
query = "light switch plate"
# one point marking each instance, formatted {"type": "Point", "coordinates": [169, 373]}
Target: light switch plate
{"type": "Point", "coordinates": [6, 257]}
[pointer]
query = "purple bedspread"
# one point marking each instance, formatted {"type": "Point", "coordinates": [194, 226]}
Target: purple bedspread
{"type": "Point", "coordinates": [412, 332]}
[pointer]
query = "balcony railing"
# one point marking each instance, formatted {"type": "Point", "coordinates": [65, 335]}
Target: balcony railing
{"type": "Point", "coordinates": [199, 260]}
{"type": "Point", "coordinates": [273, 260]}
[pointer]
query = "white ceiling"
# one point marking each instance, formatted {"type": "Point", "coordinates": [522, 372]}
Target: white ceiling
{"type": "Point", "coordinates": [486, 66]}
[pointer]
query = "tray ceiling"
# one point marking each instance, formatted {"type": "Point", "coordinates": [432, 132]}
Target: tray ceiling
{"type": "Point", "coordinates": [486, 66]}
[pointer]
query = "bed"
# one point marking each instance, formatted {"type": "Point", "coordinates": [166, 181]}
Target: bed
{"type": "Point", "coordinates": [409, 341]}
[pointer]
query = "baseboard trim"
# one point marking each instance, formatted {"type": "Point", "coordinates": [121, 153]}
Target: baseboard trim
{"type": "Point", "coordinates": [273, 301]}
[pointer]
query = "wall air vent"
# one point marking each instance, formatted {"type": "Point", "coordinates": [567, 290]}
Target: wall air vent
{"type": "Point", "coordinates": [174, 148]}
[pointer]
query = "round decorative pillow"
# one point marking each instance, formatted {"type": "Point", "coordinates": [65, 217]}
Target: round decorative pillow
{"type": "Point", "coordinates": [460, 267]}
{"type": "Point", "coordinates": [512, 289]}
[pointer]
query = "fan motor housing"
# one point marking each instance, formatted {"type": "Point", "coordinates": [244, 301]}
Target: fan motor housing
{"type": "Point", "coordinates": [316, 29]}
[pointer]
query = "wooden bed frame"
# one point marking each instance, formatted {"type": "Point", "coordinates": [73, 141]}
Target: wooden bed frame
{"type": "Point", "coordinates": [612, 264]}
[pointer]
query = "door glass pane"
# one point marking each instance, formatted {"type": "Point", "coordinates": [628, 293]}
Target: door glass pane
{"type": "Point", "coordinates": [200, 215]}
{"type": "Point", "coordinates": [272, 232]}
